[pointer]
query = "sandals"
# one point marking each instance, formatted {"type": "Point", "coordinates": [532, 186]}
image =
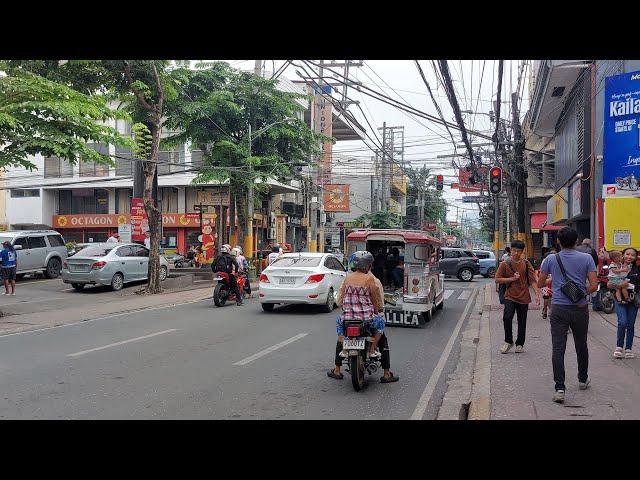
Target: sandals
{"type": "Point", "coordinates": [338, 376]}
{"type": "Point", "coordinates": [390, 379]}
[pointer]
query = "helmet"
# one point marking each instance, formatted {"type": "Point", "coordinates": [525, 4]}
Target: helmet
{"type": "Point", "coordinates": [360, 260]}
{"type": "Point", "coordinates": [225, 249]}
{"type": "Point", "coordinates": [239, 248]}
{"type": "Point", "coordinates": [236, 251]}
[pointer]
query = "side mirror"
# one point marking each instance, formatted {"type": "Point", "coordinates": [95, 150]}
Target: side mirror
{"type": "Point", "coordinates": [17, 247]}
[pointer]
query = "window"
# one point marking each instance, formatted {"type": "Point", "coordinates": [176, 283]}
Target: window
{"type": "Point", "coordinates": [37, 242]}
{"type": "Point", "coordinates": [451, 253]}
{"type": "Point", "coordinates": [92, 169]}
{"type": "Point", "coordinates": [124, 164]}
{"type": "Point", "coordinates": [123, 200]}
{"type": "Point", "coordinates": [94, 251]}
{"type": "Point", "coordinates": [57, 167]}
{"type": "Point", "coordinates": [197, 158]}
{"type": "Point", "coordinates": [422, 252]}
{"type": "Point", "coordinates": [55, 240]}
{"type": "Point", "coordinates": [171, 160]}
{"type": "Point", "coordinates": [300, 261]}
{"type": "Point", "coordinates": [83, 200]}
{"type": "Point", "coordinates": [22, 241]}
{"type": "Point", "coordinates": [20, 193]}
{"type": "Point", "coordinates": [468, 253]}
{"type": "Point", "coordinates": [124, 252]}
{"type": "Point", "coordinates": [140, 252]}
{"type": "Point", "coordinates": [481, 254]}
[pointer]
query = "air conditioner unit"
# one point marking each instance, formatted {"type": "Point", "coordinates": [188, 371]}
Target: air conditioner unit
{"type": "Point", "coordinates": [272, 233]}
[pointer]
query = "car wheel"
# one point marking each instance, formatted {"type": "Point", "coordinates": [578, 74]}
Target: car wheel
{"type": "Point", "coordinates": [491, 273]}
{"type": "Point", "coordinates": [268, 307]}
{"type": "Point", "coordinates": [465, 274]}
{"type": "Point", "coordinates": [331, 302]}
{"type": "Point", "coordinates": [53, 268]}
{"type": "Point", "coordinates": [78, 286]}
{"type": "Point", "coordinates": [117, 282]}
{"type": "Point", "coordinates": [163, 273]}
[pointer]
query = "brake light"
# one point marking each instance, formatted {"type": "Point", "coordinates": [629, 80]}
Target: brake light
{"type": "Point", "coordinates": [264, 278]}
{"type": "Point", "coordinates": [98, 265]}
{"type": "Point", "coordinates": [315, 278]}
{"type": "Point", "coordinates": [353, 331]}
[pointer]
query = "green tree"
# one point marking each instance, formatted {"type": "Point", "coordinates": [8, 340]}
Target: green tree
{"type": "Point", "coordinates": [143, 88]}
{"type": "Point", "coordinates": [421, 186]}
{"type": "Point", "coordinates": [41, 116]}
{"type": "Point", "coordinates": [219, 109]}
{"type": "Point", "coordinates": [379, 220]}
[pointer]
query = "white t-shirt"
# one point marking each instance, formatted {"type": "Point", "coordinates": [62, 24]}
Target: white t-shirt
{"type": "Point", "coordinates": [112, 240]}
{"type": "Point", "coordinates": [147, 243]}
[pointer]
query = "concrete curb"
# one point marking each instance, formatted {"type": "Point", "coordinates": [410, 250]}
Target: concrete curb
{"type": "Point", "coordinates": [480, 405]}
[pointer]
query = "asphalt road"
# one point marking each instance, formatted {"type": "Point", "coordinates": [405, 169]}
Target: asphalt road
{"type": "Point", "coordinates": [197, 361]}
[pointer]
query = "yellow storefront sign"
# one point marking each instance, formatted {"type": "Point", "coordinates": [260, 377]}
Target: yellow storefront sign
{"type": "Point", "coordinates": [621, 223]}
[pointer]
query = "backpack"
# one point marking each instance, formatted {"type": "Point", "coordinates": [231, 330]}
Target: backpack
{"type": "Point", "coordinates": [222, 264]}
{"type": "Point", "coordinates": [502, 288]}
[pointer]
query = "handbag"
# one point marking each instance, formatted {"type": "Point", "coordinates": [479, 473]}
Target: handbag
{"type": "Point", "coordinates": [570, 288]}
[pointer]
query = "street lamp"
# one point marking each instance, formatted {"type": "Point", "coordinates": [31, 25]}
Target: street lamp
{"type": "Point", "coordinates": [248, 241]}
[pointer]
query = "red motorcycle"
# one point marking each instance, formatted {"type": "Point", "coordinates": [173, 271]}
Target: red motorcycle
{"type": "Point", "coordinates": [222, 292]}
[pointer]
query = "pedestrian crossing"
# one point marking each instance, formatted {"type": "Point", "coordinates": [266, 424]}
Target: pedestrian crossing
{"type": "Point", "coordinates": [458, 294]}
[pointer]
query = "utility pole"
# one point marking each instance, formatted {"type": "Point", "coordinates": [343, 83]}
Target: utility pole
{"type": "Point", "coordinates": [521, 185]}
{"type": "Point", "coordinates": [248, 239]}
{"type": "Point", "coordinates": [383, 178]}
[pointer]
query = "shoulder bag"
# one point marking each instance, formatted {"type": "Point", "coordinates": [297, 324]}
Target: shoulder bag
{"type": "Point", "coordinates": [570, 288]}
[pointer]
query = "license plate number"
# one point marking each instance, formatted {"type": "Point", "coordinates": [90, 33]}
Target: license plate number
{"type": "Point", "coordinates": [353, 343]}
{"type": "Point", "coordinates": [287, 281]}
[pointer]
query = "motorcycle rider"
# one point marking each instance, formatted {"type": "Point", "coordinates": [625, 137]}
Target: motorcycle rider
{"type": "Point", "coordinates": [228, 264]}
{"type": "Point", "coordinates": [361, 298]}
{"type": "Point", "coordinates": [243, 265]}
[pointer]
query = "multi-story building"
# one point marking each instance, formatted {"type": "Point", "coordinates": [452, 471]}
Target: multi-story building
{"type": "Point", "coordinates": [569, 122]}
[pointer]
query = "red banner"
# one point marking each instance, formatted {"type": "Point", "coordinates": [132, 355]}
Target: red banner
{"type": "Point", "coordinates": [139, 220]}
{"type": "Point", "coordinates": [480, 178]}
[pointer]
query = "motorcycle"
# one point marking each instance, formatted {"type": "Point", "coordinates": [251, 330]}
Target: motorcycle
{"type": "Point", "coordinates": [222, 291]}
{"type": "Point", "coordinates": [356, 346]}
{"type": "Point", "coordinates": [606, 296]}
{"type": "Point", "coordinates": [629, 181]}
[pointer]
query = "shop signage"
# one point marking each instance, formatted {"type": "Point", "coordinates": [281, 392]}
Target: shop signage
{"type": "Point", "coordinates": [281, 228]}
{"type": "Point", "coordinates": [124, 230]}
{"type": "Point", "coordinates": [171, 220]}
{"type": "Point", "coordinates": [576, 198]}
{"type": "Point", "coordinates": [323, 124]}
{"type": "Point", "coordinates": [557, 206]}
{"type": "Point", "coordinates": [620, 226]}
{"type": "Point", "coordinates": [213, 197]}
{"type": "Point", "coordinates": [621, 170]}
{"type": "Point", "coordinates": [336, 198]}
{"type": "Point", "coordinates": [464, 178]}
{"type": "Point", "coordinates": [139, 220]}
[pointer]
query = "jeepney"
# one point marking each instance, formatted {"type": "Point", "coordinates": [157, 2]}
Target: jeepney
{"type": "Point", "coordinates": [406, 262]}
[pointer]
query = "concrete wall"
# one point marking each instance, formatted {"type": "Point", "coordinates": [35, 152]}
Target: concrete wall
{"type": "Point", "coordinates": [360, 196]}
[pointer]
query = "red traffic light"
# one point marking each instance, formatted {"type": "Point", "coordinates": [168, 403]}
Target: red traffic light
{"type": "Point", "coordinates": [495, 172]}
{"type": "Point", "coordinates": [439, 178]}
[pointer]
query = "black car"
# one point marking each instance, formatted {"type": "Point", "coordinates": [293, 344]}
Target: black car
{"type": "Point", "coordinates": [459, 262]}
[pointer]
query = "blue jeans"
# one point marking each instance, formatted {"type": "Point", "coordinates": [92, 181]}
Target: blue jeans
{"type": "Point", "coordinates": [626, 322]}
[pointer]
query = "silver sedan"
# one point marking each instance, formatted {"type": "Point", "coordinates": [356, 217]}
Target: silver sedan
{"type": "Point", "coordinates": [111, 264]}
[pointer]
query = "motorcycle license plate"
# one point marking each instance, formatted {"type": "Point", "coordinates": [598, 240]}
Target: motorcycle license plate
{"type": "Point", "coordinates": [353, 343]}
{"type": "Point", "coordinates": [287, 281]}
{"type": "Point", "coordinates": [219, 279]}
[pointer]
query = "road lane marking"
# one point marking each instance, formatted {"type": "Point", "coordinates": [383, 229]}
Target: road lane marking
{"type": "Point", "coordinates": [423, 403]}
{"type": "Point", "coordinates": [266, 351]}
{"type": "Point", "coordinates": [77, 354]}
{"type": "Point", "coordinates": [465, 294]}
{"type": "Point", "coordinates": [447, 293]}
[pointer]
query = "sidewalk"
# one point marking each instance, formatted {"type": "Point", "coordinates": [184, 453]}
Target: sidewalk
{"type": "Point", "coordinates": [521, 385]}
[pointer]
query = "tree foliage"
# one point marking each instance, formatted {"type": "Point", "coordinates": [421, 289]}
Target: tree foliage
{"type": "Point", "coordinates": [379, 220]}
{"type": "Point", "coordinates": [435, 207]}
{"type": "Point", "coordinates": [39, 116]}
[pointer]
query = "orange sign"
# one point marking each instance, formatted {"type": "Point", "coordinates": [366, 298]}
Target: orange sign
{"type": "Point", "coordinates": [281, 229]}
{"type": "Point", "coordinates": [189, 220]}
{"type": "Point", "coordinates": [336, 198]}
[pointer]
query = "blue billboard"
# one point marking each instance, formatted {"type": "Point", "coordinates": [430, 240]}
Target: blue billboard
{"type": "Point", "coordinates": [621, 175]}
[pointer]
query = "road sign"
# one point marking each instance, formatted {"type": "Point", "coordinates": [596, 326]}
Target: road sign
{"type": "Point", "coordinates": [475, 198]}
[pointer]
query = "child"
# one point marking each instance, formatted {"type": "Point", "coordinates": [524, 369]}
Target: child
{"type": "Point", "coordinates": [546, 295]}
{"type": "Point", "coordinates": [618, 276]}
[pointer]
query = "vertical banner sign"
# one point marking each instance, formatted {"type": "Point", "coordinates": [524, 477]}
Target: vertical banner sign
{"type": "Point", "coordinates": [621, 172]}
{"type": "Point", "coordinates": [281, 229]}
{"type": "Point", "coordinates": [323, 125]}
{"type": "Point", "coordinates": [208, 237]}
{"type": "Point", "coordinates": [336, 198]}
{"type": "Point", "coordinates": [139, 220]}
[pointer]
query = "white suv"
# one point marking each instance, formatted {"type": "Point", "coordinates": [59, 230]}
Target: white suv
{"type": "Point", "coordinates": [38, 251]}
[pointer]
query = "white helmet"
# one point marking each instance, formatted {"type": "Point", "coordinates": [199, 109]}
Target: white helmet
{"type": "Point", "coordinates": [239, 248]}
{"type": "Point", "coordinates": [236, 251]}
{"type": "Point", "coordinates": [224, 249]}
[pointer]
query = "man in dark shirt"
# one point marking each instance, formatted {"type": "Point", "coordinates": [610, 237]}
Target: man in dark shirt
{"type": "Point", "coordinates": [587, 247]}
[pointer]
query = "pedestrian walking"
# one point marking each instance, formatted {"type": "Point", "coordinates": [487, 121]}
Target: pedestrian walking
{"type": "Point", "coordinates": [574, 278]}
{"type": "Point", "coordinates": [9, 260]}
{"type": "Point", "coordinates": [507, 253]}
{"type": "Point", "coordinates": [147, 239]}
{"type": "Point", "coordinates": [518, 275]}
{"type": "Point", "coordinates": [115, 238]}
{"type": "Point", "coordinates": [627, 312]}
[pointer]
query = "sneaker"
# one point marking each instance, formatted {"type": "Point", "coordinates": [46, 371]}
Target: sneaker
{"type": "Point", "coordinates": [558, 397]}
{"type": "Point", "coordinates": [618, 353]}
{"type": "Point", "coordinates": [375, 354]}
{"type": "Point", "coordinates": [519, 349]}
{"type": "Point", "coordinates": [6, 293]}
{"type": "Point", "coordinates": [12, 293]}
{"type": "Point", "coordinates": [584, 385]}
{"type": "Point", "coordinates": [629, 354]}
{"type": "Point", "coordinates": [506, 347]}
{"type": "Point", "coordinates": [544, 315]}
{"type": "Point", "coordinates": [343, 354]}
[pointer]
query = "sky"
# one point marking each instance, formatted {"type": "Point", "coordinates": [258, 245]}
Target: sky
{"type": "Point", "coordinates": [475, 82]}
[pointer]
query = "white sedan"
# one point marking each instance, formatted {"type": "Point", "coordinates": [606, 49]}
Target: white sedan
{"type": "Point", "coordinates": [302, 278]}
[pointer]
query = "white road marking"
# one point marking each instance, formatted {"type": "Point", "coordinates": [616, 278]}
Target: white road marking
{"type": "Point", "coordinates": [266, 351]}
{"type": "Point", "coordinates": [77, 354]}
{"type": "Point", "coordinates": [447, 293]}
{"type": "Point", "coordinates": [465, 294]}
{"type": "Point", "coordinates": [423, 403]}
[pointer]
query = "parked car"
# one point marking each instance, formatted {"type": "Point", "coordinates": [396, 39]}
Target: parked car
{"type": "Point", "coordinates": [76, 248]}
{"type": "Point", "coordinates": [38, 251]}
{"type": "Point", "coordinates": [302, 278]}
{"type": "Point", "coordinates": [111, 264]}
{"type": "Point", "coordinates": [487, 262]}
{"type": "Point", "coordinates": [459, 262]}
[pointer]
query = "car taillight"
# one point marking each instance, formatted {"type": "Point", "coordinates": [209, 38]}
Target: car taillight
{"type": "Point", "coordinates": [264, 278]}
{"type": "Point", "coordinates": [315, 278]}
{"type": "Point", "coordinates": [98, 265]}
{"type": "Point", "coordinates": [353, 331]}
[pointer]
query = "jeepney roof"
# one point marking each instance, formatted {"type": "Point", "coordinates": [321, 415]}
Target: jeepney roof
{"type": "Point", "coordinates": [400, 235]}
